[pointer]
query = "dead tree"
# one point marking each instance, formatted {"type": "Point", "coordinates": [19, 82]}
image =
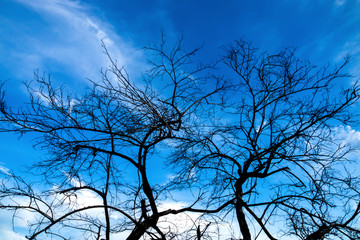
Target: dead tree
{"type": "Point", "coordinates": [269, 144]}
{"type": "Point", "coordinates": [102, 142]}
{"type": "Point", "coordinates": [258, 141]}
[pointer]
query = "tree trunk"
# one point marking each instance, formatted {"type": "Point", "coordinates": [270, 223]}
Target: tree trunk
{"type": "Point", "coordinates": [244, 228]}
{"type": "Point", "coordinates": [151, 221]}
{"type": "Point", "coordinates": [320, 233]}
{"type": "Point", "coordinates": [141, 228]}
{"type": "Point", "coordinates": [107, 219]}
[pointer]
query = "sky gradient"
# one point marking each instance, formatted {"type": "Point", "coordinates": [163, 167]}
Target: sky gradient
{"type": "Point", "coordinates": [63, 38]}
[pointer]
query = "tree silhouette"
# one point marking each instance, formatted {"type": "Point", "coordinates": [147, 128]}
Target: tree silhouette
{"type": "Point", "coordinates": [254, 135]}
{"type": "Point", "coordinates": [276, 159]}
{"type": "Point", "coordinates": [102, 143]}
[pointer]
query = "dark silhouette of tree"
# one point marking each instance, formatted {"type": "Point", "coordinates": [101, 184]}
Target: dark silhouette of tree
{"type": "Point", "coordinates": [258, 140]}
{"type": "Point", "coordinates": [331, 216]}
{"type": "Point", "coordinates": [271, 152]}
{"type": "Point", "coordinates": [102, 142]}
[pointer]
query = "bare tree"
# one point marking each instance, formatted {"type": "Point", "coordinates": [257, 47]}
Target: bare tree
{"type": "Point", "coordinates": [259, 142]}
{"type": "Point", "coordinates": [271, 151]}
{"type": "Point", "coordinates": [102, 143]}
{"type": "Point", "coordinates": [332, 212]}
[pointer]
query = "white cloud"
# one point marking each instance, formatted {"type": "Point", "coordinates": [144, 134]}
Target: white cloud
{"type": "Point", "coordinates": [6, 227]}
{"type": "Point", "coordinates": [8, 233]}
{"type": "Point", "coordinates": [3, 169]}
{"type": "Point", "coordinates": [82, 198]}
{"type": "Point", "coordinates": [15, 227]}
{"type": "Point", "coordinates": [179, 222]}
{"type": "Point", "coordinates": [183, 222]}
{"type": "Point", "coordinates": [348, 135]}
{"type": "Point", "coordinates": [71, 41]}
{"type": "Point", "coordinates": [351, 47]}
{"type": "Point", "coordinates": [340, 2]}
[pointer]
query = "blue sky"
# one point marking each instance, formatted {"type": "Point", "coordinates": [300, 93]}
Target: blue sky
{"type": "Point", "coordinates": [62, 37]}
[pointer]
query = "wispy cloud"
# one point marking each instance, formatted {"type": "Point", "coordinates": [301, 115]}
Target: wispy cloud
{"type": "Point", "coordinates": [351, 47]}
{"type": "Point", "coordinates": [71, 41]}
{"type": "Point", "coordinates": [348, 135]}
{"type": "Point", "coordinates": [339, 2]}
{"type": "Point", "coordinates": [4, 169]}
{"type": "Point", "coordinates": [7, 233]}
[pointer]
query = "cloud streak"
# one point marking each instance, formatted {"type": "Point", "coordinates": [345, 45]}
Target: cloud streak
{"type": "Point", "coordinates": [71, 41]}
